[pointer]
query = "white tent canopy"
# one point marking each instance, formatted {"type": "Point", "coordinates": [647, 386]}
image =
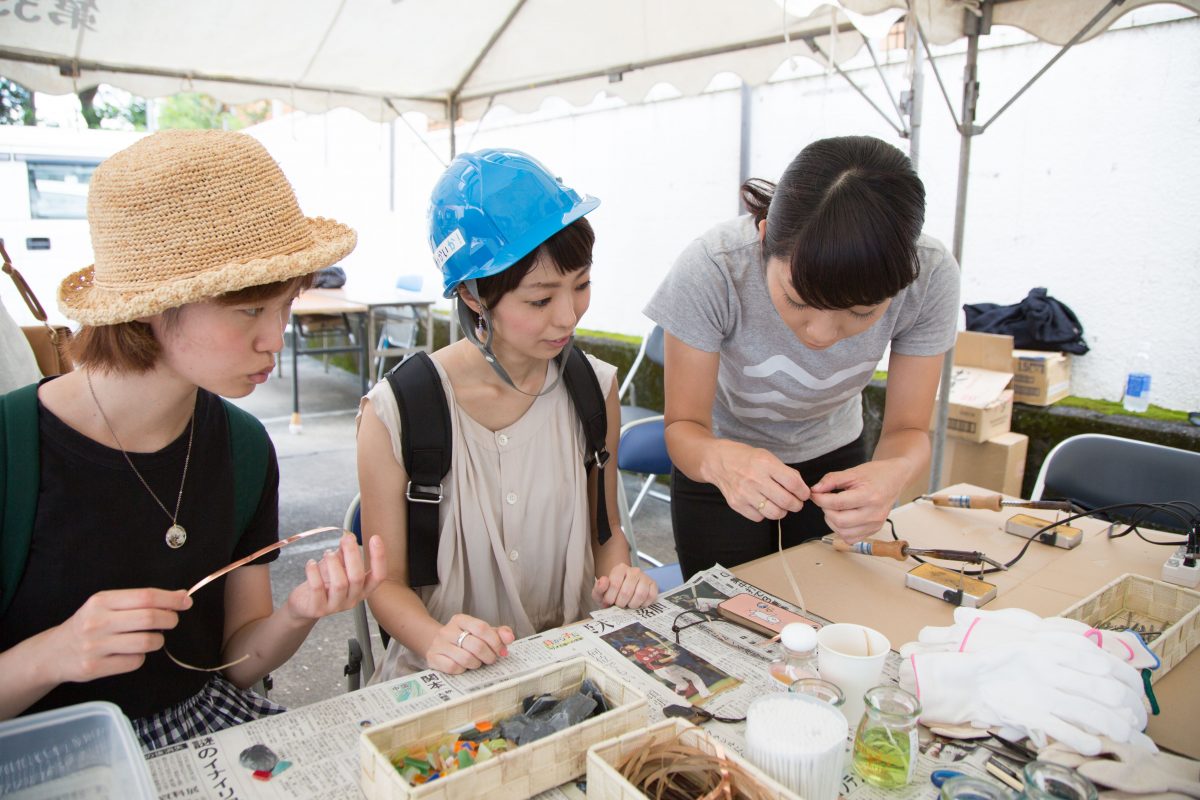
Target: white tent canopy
{"type": "Point", "coordinates": [384, 57]}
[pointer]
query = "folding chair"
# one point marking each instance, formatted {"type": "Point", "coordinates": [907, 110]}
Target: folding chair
{"type": "Point", "coordinates": [361, 664]}
{"type": "Point", "coordinates": [642, 449]}
{"type": "Point", "coordinates": [652, 349]}
{"type": "Point", "coordinates": [1094, 470]}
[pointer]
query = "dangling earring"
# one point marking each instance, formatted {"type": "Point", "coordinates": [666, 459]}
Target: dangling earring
{"type": "Point", "coordinates": [480, 327]}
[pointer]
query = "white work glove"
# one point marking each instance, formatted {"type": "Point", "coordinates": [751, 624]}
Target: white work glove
{"type": "Point", "coordinates": [976, 629]}
{"type": "Point", "coordinates": [1067, 690]}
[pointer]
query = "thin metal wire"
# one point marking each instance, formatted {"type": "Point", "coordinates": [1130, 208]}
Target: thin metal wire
{"type": "Point", "coordinates": [295, 537]}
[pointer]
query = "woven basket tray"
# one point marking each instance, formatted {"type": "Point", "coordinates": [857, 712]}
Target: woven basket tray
{"type": "Point", "coordinates": [1147, 606]}
{"type": "Point", "coordinates": [605, 783]}
{"type": "Point", "coordinates": [519, 773]}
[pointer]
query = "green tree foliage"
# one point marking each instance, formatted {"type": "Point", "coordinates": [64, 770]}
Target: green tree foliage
{"type": "Point", "coordinates": [200, 111]}
{"type": "Point", "coordinates": [133, 113]}
{"type": "Point", "coordinates": [16, 104]}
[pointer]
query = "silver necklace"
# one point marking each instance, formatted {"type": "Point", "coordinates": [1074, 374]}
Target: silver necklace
{"type": "Point", "coordinates": [176, 535]}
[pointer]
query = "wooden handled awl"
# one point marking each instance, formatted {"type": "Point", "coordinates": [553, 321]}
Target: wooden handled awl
{"type": "Point", "coordinates": [900, 551]}
{"type": "Point", "coordinates": [991, 502]}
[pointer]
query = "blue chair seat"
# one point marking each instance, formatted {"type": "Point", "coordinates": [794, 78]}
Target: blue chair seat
{"type": "Point", "coordinates": [667, 576]}
{"type": "Point", "coordinates": [631, 413]}
{"type": "Point", "coordinates": [643, 449]}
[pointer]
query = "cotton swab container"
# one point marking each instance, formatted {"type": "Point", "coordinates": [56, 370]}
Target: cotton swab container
{"type": "Point", "coordinates": [799, 741]}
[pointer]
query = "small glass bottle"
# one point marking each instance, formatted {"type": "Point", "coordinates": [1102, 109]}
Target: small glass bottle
{"type": "Point", "coordinates": [967, 787]}
{"type": "Point", "coordinates": [822, 690]}
{"type": "Point", "coordinates": [1046, 781]}
{"type": "Point", "coordinates": [885, 746]}
{"type": "Point", "coordinates": [799, 654]}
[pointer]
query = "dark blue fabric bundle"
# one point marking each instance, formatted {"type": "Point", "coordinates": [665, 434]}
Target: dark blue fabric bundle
{"type": "Point", "coordinates": [1039, 322]}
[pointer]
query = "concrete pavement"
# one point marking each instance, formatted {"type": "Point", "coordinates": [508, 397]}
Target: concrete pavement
{"type": "Point", "coordinates": [318, 480]}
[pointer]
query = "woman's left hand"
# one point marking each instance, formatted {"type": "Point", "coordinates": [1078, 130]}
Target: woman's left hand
{"type": "Point", "coordinates": [625, 587]}
{"type": "Point", "coordinates": [339, 580]}
{"type": "Point", "coordinates": [857, 501]}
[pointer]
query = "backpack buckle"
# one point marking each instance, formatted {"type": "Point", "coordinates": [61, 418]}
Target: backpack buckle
{"type": "Point", "coordinates": [418, 493]}
{"type": "Point", "coordinates": [600, 459]}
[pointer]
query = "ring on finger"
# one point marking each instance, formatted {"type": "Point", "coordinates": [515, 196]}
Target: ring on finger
{"type": "Point", "coordinates": [762, 504]}
{"type": "Point", "coordinates": [461, 638]}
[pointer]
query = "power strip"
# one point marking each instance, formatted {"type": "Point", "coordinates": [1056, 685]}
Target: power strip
{"type": "Point", "coordinates": [1175, 571]}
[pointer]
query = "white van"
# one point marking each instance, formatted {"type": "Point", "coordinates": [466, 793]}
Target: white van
{"type": "Point", "coordinates": [44, 177]}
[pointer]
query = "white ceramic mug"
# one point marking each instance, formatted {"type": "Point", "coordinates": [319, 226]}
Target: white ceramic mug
{"type": "Point", "coordinates": [851, 656]}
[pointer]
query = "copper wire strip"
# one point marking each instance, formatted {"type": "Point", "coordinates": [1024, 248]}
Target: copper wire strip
{"type": "Point", "coordinates": [295, 537]}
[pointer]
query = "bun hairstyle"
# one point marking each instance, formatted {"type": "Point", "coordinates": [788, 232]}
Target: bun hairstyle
{"type": "Point", "coordinates": [845, 215]}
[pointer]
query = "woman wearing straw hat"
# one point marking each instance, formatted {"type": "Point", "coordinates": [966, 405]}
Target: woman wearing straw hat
{"type": "Point", "coordinates": [200, 248]}
{"type": "Point", "coordinates": [523, 542]}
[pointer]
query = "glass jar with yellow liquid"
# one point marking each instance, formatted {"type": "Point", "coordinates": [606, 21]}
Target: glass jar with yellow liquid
{"type": "Point", "coordinates": [885, 746]}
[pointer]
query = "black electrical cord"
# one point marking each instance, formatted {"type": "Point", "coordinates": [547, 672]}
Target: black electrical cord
{"type": "Point", "coordinates": [1176, 508]}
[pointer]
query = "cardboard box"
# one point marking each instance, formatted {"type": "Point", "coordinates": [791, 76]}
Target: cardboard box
{"type": "Point", "coordinates": [980, 397]}
{"type": "Point", "coordinates": [997, 464]}
{"type": "Point", "coordinates": [1040, 378]}
{"type": "Point", "coordinates": [518, 773]}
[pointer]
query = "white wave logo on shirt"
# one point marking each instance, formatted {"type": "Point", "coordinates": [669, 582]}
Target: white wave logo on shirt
{"type": "Point", "coordinates": [755, 403]}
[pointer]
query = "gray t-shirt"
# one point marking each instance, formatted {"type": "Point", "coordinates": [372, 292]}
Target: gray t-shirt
{"type": "Point", "coordinates": [772, 392]}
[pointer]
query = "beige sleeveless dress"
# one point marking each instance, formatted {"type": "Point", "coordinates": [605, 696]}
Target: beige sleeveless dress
{"type": "Point", "coordinates": [515, 540]}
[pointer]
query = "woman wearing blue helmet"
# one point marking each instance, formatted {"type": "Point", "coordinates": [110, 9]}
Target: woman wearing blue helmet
{"type": "Point", "coordinates": [518, 550]}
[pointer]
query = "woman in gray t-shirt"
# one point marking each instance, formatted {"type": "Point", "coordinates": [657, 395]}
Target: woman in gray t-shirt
{"type": "Point", "coordinates": [775, 322]}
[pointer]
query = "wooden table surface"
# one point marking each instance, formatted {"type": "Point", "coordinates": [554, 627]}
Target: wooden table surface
{"type": "Point", "coordinates": [847, 587]}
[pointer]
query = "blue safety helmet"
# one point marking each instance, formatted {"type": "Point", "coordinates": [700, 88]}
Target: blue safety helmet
{"type": "Point", "coordinates": [492, 207]}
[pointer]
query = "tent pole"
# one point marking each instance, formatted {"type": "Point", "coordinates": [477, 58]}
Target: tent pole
{"type": "Point", "coordinates": [914, 104]}
{"type": "Point", "coordinates": [452, 113]}
{"type": "Point", "coordinates": [974, 26]}
{"type": "Point", "coordinates": [744, 145]}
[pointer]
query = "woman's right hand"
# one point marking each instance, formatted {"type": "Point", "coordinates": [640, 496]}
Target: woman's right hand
{"type": "Point", "coordinates": [113, 631]}
{"type": "Point", "coordinates": [453, 653]}
{"type": "Point", "coordinates": [755, 483]}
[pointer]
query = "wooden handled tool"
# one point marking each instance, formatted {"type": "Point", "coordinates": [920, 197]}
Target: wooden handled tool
{"type": "Point", "coordinates": [872, 547]}
{"type": "Point", "coordinates": [900, 550]}
{"type": "Point", "coordinates": [992, 502]}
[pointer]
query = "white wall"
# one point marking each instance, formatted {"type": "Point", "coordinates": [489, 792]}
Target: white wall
{"type": "Point", "coordinates": [1089, 185]}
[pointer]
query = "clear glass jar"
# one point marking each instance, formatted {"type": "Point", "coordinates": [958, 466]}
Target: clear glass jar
{"type": "Point", "coordinates": [799, 660]}
{"type": "Point", "coordinates": [885, 746]}
{"type": "Point", "coordinates": [822, 690]}
{"type": "Point", "coordinates": [967, 787]}
{"type": "Point", "coordinates": [1046, 781]}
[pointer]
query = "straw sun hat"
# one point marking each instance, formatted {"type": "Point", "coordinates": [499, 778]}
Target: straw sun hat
{"type": "Point", "coordinates": [184, 216]}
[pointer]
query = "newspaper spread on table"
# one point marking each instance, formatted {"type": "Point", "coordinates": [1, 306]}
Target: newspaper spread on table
{"type": "Point", "coordinates": [321, 741]}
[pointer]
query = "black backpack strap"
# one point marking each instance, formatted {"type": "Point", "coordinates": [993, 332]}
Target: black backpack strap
{"type": "Point", "coordinates": [20, 473]}
{"type": "Point", "coordinates": [250, 448]}
{"type": "Point", "coordinates": [585, 393]}
{"type": "Point", "coordinates": [426, 447]}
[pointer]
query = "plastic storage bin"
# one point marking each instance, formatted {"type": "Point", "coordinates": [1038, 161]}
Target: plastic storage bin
{"type": "Point", "coordinates": [86, 750]}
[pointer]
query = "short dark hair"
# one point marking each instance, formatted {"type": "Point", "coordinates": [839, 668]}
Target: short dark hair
{"type": "Point", "coordinates": [570, 249]}
{"type": "Point", "coordinates": [132, 347]}
{"type": "Point", "coordinates": [846, 215]}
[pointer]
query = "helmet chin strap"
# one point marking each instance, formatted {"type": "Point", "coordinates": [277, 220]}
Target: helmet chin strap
{"type": "Point", "coordinates": [466, 322]}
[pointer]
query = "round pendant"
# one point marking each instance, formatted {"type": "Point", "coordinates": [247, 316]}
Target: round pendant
{"type": "Point", "coordinates": [176, 537]}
